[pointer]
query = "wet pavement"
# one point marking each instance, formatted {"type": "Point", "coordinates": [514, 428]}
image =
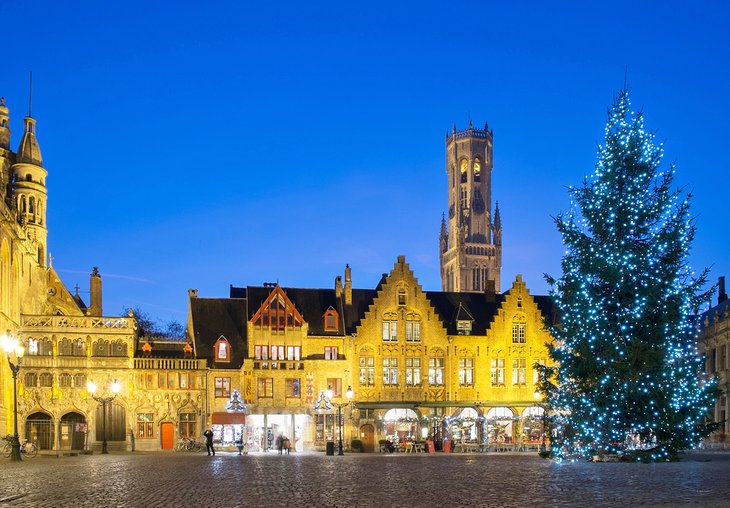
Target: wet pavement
{"type": "Point", "coordinates": [382, 480]}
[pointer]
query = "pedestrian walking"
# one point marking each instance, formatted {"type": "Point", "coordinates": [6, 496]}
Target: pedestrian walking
{"type": "Point", "coordinates": [209, 441]}
{"type": "Point", "coordinates": [279, 443]}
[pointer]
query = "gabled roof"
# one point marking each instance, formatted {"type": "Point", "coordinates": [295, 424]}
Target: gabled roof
{"type": "Point", "coordinates": [213, 317]}
{"type": "Point", "coordinates": [311, 304]}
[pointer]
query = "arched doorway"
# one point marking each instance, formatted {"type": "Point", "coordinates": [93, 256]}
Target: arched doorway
{"type": "Point", "coordinates": [72, 431]}
{"type": "Point", "coordinates": [533, 423]}
{"type": "Point", "coordinates": [367, 436]}
{"type": "Point", "coordinates": [39, 430]}
{"type": "Point", "coordinates": [401, 424]}
{"type": "Point", "coordinates": [500, 424]}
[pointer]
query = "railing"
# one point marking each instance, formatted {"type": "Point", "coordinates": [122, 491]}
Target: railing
{"type": "Point", "coordinates": [75, 362]}
{"type": "Point", "coordinates": [169, 364]}
{"type": "Point", "coordinates": [471, 132]}
{"type": "Point", "coordinates": [67, 322]}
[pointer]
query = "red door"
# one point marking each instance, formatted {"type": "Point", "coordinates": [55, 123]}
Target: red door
{"type": "Point", "coordinates": [167, 435]}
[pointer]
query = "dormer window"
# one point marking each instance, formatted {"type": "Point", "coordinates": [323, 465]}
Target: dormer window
{"type": "Point", "coordinates": [222, 350]}
{"type": "Point", "coordinates": [463, 326]}
{"type": "Point", "coordinates": [331, 320]}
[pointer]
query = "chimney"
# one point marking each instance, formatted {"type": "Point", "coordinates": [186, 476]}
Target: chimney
{"type": "Point", "coordinates": [721, 294]}
{"type": "Point", "coordinates": [95, 283]}
{"type": "Point", "coordinates": [348, 285]}
{"type": "Point", "coordinates": [338, 286]}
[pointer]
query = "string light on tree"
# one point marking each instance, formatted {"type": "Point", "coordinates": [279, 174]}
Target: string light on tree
{"type": "Point", "coordinates": [626, 345]}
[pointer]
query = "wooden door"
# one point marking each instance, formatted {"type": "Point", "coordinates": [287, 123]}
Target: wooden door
{"type": "Point", "coordinates": [167, 435]}
{"type": "Point", "coordinates": [367, 436]}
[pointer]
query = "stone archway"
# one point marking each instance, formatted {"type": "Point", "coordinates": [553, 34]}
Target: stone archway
{"type": "Point", "coordinates": [39, 430]}
{"type": "Point", "coordinates": [72, 431]}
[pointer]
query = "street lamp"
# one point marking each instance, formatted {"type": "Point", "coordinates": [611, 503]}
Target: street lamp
{"type": "Point", "coordinates": [339, 407]}
{"type": "Point", "coordinates": [114, 387]}
{"type": "Point", "coordinates": [544, 420]}
{"type": "Point", "coordinates": [13, 348]}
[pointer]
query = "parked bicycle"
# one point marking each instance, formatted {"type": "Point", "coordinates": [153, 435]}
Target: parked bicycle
{"type": "Point", "coordinates": [27, 448]}
{"type": "Point", "coordinates": [188, 444]}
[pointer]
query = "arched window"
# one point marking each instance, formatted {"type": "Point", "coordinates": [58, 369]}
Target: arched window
{"type": "Point", "coordinates": [477, 170]}
{"type": "Point", "coordinates": [79, 380]}
{"type": "Point", "coordinates": [500, 422]}
{"type": "Point", "coordinates": [46, 379]}
{"type": "Point", "coordinates": [464, 167]}
{"type": "Point", "coordinates": [31, 380]}
{"type": "Point", "coordinates": [64, 380]}
{"type": "Point", "coordinates": [222, 350]}
{"type": "Point", "coordinates": [31, 205]}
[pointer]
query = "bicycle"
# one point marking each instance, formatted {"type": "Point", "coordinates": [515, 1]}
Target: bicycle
{"type": "Point", "coordinates": [27, 448]}
{"type": "Point", "coordinates": [188, 444]}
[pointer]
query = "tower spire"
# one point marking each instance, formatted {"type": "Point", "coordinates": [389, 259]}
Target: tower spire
{"type": "Point", "coordinates": [30, 94]}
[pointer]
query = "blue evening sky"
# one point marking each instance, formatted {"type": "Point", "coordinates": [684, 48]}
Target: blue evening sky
{"type": "Point", "coordinates": [202, 144]}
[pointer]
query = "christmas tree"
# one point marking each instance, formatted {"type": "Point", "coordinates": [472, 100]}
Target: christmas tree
{"type": "Point", "coordinates": [628, 381]}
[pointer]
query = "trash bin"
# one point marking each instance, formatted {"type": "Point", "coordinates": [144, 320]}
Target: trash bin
{"type": "Point", "coordinates": [330, 447]}
{"type": "Point", "coordinates": [447, 446]}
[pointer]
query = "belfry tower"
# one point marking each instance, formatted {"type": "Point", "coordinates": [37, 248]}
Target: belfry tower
{"type": "Point", "coordinates": [471, 241]}
{"type": "Point", "coordinates": [29, 189]}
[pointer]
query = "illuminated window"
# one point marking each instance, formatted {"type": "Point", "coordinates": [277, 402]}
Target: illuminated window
{"type": "Point", "coordinates": [188, 425]}
{"type": "Point", "coordinates": [466, 371]}
{"type": "Point", "coordinates": [390, 331]}
{"type": "Point", "coordinates": [367, 371]}
{"type": "Point", "coordinates": [413, 331]}
{"type": "Point", "coordinates": [146, 380]}
{"type": "Point", "coordinates": [518, 371]}
{"type": "Point", "coordinates": [330, 353]}
{"type": "Point", "coordinates": [477, 170]}
{"type": "Point", "coordinates": [518, 330]}
{"type": "Point", "coordinates": [335, 384]}
{"type": "Point", "coordinates": [265, 388]}
{"type": "Point", "coordinates": [436, 371]}
{"type": "Point", "coordinates": [261, 352]}
{"type": "Point", "coordinates": [497, 371]}
{"type": "Point", "coordinates": [294, 353]}
{"type": "Point", "coordinates": [222, 387]}
{"type": "Point", "coordinates": [278, 312]}
{"type": "Point", "coordinates": [464, 167]}
{"type": "Point", "coordinates": [146, 425]}
{"type": "Point", "coordinates": [186, 381]}
{"type": "Point", "coordinates": [222, 350]}
{"type": "Point", "coordinates": [390, 370]}
{"type": "Point", "coordinates": [293, 388]}
{"type": "Point", "coordinates": [277, 353]}
{"type": "Point", "coordinates": [413, 370]}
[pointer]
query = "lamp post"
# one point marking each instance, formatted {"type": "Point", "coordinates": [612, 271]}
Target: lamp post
{"type": "Point", "coordinates": [339, 407]}
{"type": "Point", "coordinates": [13, 348]}
{"type": "Point", "coordinates": [544, 420]}
{"type": "Point", "coordinates": [114, 387]}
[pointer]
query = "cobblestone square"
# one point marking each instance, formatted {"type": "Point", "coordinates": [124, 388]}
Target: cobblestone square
{"type": "Point", "coordinates": [314, 479]}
